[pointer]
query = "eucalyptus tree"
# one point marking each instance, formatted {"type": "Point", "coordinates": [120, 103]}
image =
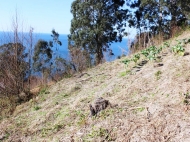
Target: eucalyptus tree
{"type": "Point", "coordinates": [178, 12]}
{"type": "Point", "coordinates": [158, 16]}
{"type": "Point", "coordinates": [46, 55]}
{"type": "Point", "coordinates": [56, 43]}
{"type": "Point", "coordinates": [148, 14]}
{"type": "Point", "coordinates": [179, 8]}
{"type": "Point", "coordinates": [185, 7]}
{"type": "Point", "coordinates": [96, 24]}
{"type": "Point", "coordinates": [42, 57]}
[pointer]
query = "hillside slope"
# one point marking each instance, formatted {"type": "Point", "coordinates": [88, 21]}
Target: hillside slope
{"type": "Point", "coordinates": [153, 104]}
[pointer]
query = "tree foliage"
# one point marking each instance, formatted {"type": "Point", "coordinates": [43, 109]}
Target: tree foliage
{"type": "Point", "coordinates": [55, 36]}
{"type": "Point", "coordinates": [47, 59]}
{"type": "Point", "coordinates": [158, 16]}
{"type": "Point", "coordinates": [96, 24]}
{"type": "Point", "coordinates": [42, 55]}
{"type": "Point", "coordinates": [184, 5]}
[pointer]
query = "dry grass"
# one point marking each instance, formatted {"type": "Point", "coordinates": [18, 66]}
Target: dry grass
{"type": "Point", "coordinates": [150, 109]}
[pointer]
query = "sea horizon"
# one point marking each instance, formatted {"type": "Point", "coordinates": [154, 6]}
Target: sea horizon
{"type": "Point", "coordinates": [118, 48]}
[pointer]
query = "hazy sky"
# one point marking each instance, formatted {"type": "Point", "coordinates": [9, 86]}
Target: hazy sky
{"type": "Point", "coordinates": [42, 15]}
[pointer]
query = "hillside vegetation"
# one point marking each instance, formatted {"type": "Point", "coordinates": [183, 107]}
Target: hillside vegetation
{"type": "Point", "coordinates": [153, 103]}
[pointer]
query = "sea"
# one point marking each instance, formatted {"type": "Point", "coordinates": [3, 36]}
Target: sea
{"type": "Point", "coordinates": [118, 48]}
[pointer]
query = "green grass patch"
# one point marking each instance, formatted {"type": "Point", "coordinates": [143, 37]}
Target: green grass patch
{"type": "Point", "coordinates": [36, 107]}
{"type": "Point", "coordinates": [158, 75]}
{"type": "Point", "coordinates": [106, 113]}
{"type": "Point", "coordinates": [97, 132]}
{"type": "Point", "coordinates": [124, 73]}
{"type": "Point", "coordinates": [140, 109]}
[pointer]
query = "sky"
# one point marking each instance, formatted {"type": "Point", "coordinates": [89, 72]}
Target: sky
{"type": "Point", "coordinates": [42, 15]}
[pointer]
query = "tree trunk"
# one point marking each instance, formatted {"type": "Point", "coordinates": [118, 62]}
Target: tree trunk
{"type": "Point", "coordinates": [139, 37]}
{"type": "Point", "coordinates": [99, 55]}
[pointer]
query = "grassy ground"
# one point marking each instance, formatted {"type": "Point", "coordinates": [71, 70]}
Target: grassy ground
{"type": "Point", "coordinates": [153, 104]}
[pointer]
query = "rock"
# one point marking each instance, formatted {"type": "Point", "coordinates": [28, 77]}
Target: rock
{"type": "Point", "coordinates": [100, 104]}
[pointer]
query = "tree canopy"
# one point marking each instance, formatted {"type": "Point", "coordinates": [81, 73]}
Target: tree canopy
{"type": "Point", "coordinates": [42, 55]}
{"type": "Point", "coordinates": [96, 24]}
{"type": "Point", "coordinates": [47, 58]}
{"type": "Point", "coordinates": [159, 16]}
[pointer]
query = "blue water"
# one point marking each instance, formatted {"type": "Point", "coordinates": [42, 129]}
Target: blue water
{"type": "Point", "coordinates": [118, 48]}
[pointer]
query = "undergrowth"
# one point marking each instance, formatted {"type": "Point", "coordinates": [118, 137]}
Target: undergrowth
{"type": "Point", "coordinates": [152, 53]}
